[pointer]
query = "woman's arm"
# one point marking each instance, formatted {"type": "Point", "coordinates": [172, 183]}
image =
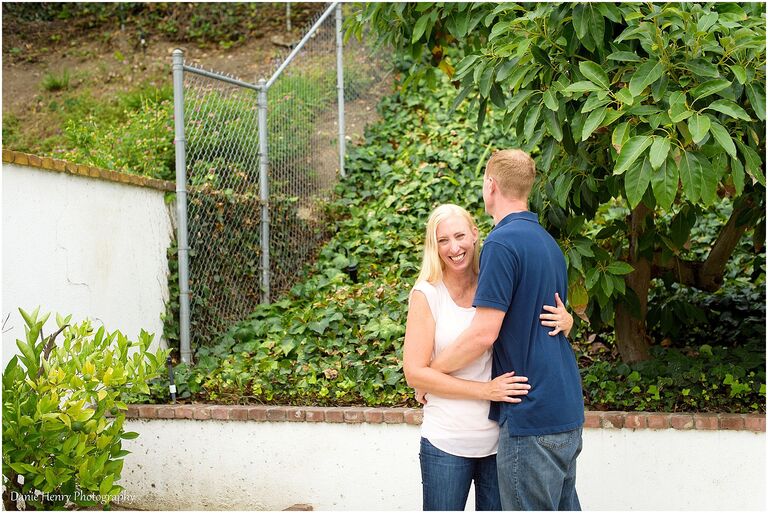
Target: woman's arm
{"type": "Point", "coordinates": [558, 318]}
{"type": "Point", "coordinates": [417, 354]}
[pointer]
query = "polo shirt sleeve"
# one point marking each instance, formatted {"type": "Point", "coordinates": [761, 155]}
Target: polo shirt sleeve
{"type": "Point", "coordinates": [498, 272]}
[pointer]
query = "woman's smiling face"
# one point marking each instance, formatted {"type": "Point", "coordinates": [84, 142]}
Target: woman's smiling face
{"type": "Point", "coordinates": [456, 243]}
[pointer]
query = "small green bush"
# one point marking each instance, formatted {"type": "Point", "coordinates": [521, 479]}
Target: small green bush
{"type": "Point", "coordinates": [702, 378]}
{"type": "Point", "coordinates": [139, 143]}
{"type": "Point", "coordinates": [53, 83]}
{"type": "Point", "coordinates": [63, 412]}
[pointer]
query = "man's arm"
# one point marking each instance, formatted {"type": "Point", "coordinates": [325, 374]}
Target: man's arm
{"type": "Point", "coordinates": [472, 342]}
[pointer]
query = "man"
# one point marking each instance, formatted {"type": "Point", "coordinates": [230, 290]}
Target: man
{"type": "Point", "coordinates": [521, 268]}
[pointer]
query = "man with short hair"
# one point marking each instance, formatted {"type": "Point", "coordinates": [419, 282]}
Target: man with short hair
{"type": "Point", "coordinates": [521, 268]}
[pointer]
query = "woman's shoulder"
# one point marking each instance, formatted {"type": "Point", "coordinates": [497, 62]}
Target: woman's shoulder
{"type": "Point", "coordinates": [426, 287]}
{"type": "Point", "coordinates": [432, 293]}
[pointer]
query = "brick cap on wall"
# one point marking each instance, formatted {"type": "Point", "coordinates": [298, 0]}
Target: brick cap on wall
{"type": "Point", "coordinates": [62, 166]}
{"type": "Point", "coordinates": [357, 415]}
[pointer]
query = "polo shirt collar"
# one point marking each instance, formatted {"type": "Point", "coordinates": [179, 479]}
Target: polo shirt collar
{"type": "Point", "coordinates": [526, 216]}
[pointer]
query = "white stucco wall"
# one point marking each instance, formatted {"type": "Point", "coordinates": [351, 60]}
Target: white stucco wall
{"type": "Point", "coordinates": [82, 246]}
{"type": "Point", "coordinates": [225, 465]}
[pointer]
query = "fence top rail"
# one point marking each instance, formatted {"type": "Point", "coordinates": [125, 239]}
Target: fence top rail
{"type": "Point", "coordinates": [301, 44]}
{"type": "Point", "coordinates": [222, 78]}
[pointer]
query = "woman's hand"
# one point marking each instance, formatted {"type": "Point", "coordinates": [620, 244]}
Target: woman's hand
{"type": "Point", "coordinates": [505, 388]}
{"type": "Point", "coordinates": [421, 396]}
{"type": "Point", "coordinates": [558, 318]}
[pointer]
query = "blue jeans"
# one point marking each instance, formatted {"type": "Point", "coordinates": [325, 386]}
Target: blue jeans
{"type": "Point", "coordinates": [539, 472]}
{"type": "Point", "coordinates": [446, 479]}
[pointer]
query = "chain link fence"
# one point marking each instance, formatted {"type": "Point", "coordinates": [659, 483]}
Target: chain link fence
{"type": "Point", "coordinates": [243, 190]}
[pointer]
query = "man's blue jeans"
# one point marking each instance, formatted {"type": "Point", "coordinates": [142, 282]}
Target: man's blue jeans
{"type": "Point", "coordinates": [446, 480]}
{"type": "Point", "coordinates": [538, 472]}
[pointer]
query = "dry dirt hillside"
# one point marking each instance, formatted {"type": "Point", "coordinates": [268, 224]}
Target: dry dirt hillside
{"type": "Point", "coordinates": [54, 59]}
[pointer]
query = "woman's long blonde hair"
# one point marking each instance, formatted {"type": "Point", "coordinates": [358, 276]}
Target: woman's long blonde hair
{"type": "Point", "coordinates": [431, 265]}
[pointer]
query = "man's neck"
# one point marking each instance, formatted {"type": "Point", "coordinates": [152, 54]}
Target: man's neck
{"type": "Point", "coordinates": [509, 207]}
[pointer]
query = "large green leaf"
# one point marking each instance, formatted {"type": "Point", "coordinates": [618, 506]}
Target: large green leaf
{"type": "Point", "coordinates": [506, 69]}
{"type": "Point", "coordinates": [582, 87]}
{"type": "Point", "coordinates": [740, 73]}
{"type": "Point", "coordinates": [729, 108]}
{"type": "Point", "coordinates": [659, 150]}
{"type": "Point", "coordinates": [465, 64]}
{"type": "Point", "coordinates": [664, 183]}
{"type": "Point", "coordinates": [645, 75]}
{"type": "Point", "coordinates": [752, 162]}
{"type": "Point", "coordinates": [594, 101]}
{"type": "Point", "coordinates": [706, 21]}
{"type": "Point", "coordinates": [737, 175]}
{"type": "Point", "coordinates": [592, 122]}
{"type": "Point", "coordinates": [486, 81]}
{"type": "Point", "coordinates": [497, 96]}
{"type": "Point", "coordinates": [420, 27]}
{"type": "Point", "coordinates": [518, 99]}
{"type": "Point", "coordinates": [619, 268]}
{"type": "Point", "coordinates": [580, 21]}
{"type": "Point", "coordinates": [708, 88]}
{"type": "Point", "coordinates": [701, 68]}
{"type": "Point", "coordinates": [690, 175]}
{"type": "Point", "coordinates": [499, 29]}
{"type": "Point", "coordinates": [531, 121]}
{"type": "Point", "coordinates": [624, 57]}
{"type": "Point", "coordinates": [698, 125]}
{"type": "Point", "coordinates": [636, 181]}
{"type": "Point", "coordinates": [631, 151]}
{"type": "Point", "coordinates": [625, 97]}
{"type": "Point", "coordinates": [595, 73]}
{"type": "Point", "coordinates": [460, 98]}
{"type": "Point", "coordinates": [553, 125]}
{"type": "Point", "coordinates": [723, 138]}
{"type": "Point", "coordinates": [756, 97]}
{"type": "Point", "coordinates": [550, 101]}
{"type": "Point", "coordinates": [678, 108]}
{"type": "Point", "coordinates": [710, 177]}
{"type": "Point", "coordinates": [620, 136]}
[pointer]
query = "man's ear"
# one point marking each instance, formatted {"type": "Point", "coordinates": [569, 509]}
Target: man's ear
{"type": "Point", "coordinates": [492, 184]}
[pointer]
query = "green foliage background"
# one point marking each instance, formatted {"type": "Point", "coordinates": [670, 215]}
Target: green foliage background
{"type": "Point", "coordinates": [653, 110]}
{"type": "Point", "coordinates": [331, 341]}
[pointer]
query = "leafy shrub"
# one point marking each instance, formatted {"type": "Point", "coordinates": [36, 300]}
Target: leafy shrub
{"type": "Point", "coordinates": [140, 141]}
{"type": "Point", "coordinates": [733, 316]}
{"type": "Point", "coordinates": [702, 378]}
{"type": "Point", "coordinates": [63, 412]}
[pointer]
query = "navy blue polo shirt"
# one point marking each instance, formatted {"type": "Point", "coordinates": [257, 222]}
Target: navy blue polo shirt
{"type": "Point", "coordinates": [521, 268]}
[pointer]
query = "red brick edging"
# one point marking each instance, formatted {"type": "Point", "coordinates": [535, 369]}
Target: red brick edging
{"type": "Point", "coordinates": [62, 166]}
{"type": "Point", "coordinates": [357, 415]}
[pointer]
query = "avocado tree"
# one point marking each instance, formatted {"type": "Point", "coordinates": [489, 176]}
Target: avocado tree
{"type": "Point", "coordinates": [653, 110]}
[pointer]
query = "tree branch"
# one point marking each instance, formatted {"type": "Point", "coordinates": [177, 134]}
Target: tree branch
{"type": "Point", "coordinates": [707, 275]}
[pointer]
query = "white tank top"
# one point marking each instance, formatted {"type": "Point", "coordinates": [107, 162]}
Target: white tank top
{"type": "Point", "coordinates": [457, 426]}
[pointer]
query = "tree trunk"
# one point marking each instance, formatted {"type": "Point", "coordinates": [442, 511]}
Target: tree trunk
{"type": "Point", "coordinates": [631, 336]}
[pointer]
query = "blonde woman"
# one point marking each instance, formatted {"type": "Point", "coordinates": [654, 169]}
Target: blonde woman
{"type": "Point", "coordinates": [459, 442]}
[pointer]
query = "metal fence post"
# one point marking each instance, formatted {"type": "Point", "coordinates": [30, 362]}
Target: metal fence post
{"type": "Point", "coordinates": [288, 16]}
{"type": "Point", "coordinates": [264, 190]}
{"type": "Point", "coordinates": [340, 87]}
{"type": "Point", "coordinates": [181, 205]}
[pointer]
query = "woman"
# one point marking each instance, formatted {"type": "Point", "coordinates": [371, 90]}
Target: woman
{"type": "Point", "coordinates": [459, 442]}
